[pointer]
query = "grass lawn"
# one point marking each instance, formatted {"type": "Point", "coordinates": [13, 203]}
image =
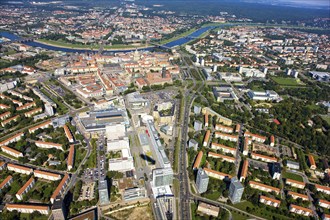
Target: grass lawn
{"type": "Point", "coordinates": [286, 81]}
{"type": "Point", "coordinates": [260, 212]}
{"type": "Point", "coordinates": [213, 196]}
{"type": "Point", "coordinates": [238, 216]}
{"type": "Point", "coordinates": [94, 47]}
{"type": "Point", "coordinates": [292, 176]}
{"type": "Point", "coordinates": [28, 216]}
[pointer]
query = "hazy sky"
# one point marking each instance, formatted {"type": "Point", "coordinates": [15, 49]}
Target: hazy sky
{"type": "Point", "coordinates": [297, 3]}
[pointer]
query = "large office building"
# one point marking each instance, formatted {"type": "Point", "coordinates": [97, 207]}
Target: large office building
{"type": "Point", "coordinates": [96, 121]}
{"type": "Point", "coordinates": [162, 177]}
{"type": "Point", "coordinates": [236, 190]}
{"type": "Point", "coordinates": [202, 180]}
{"type": "Point", "coordinates": [103, 193]}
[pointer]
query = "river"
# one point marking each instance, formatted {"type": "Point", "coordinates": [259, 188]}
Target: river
{"type": "Point", "coordinates": [171, 44]}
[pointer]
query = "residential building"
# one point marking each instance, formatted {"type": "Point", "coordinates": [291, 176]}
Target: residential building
{"type": "Point", "coordinates": [255, 137]}
{"type": "Point", "coordinates": [270, 201]}
{"type": "Point", "coordinates": [19, 169]}
{"type": "Point", "coordinates": [292, 165]}
{"type": "Point", "coordinates": [71, 157]}
{"type": "Point", "coordinates": [28, 208]}
{"type": "Point", "coordinates": [2, 165]}
{"type": "Point", "coordinates": [224, 148]}
{"type": "Point", "coordinates": [323, 189]}
{"type": "Point", "coordinates": [272, 141]}
{"type": "Point", "coordinates": [206, 120]}
{"type": "Point", "coordinates": [198, 125]}
{"type": "Point", "coordinates": [264, 158]}
{"type": "Point", "coordinates": [295, 183]}
{"type": "Point", "coordinates": [47, 175]}
{"type": "Point", "coordinates": [162, 177]}
{"type": "Point", "coordinates": [227, 137]}
{"type": "Point", "coordinates": [6, 182]}
{"type": "Point", "coordinates": [33, 112]}
{"type": "Point", "coordinates": [236, 190]}
{"type": "Point", "coordinates": [26, 106]}
{"type": "Point", "coordinates": [58, 210]}
{"type": "Point", "coordinates": [295, 195]}
{"type": "Point", "coordinates": [244, 170]}
{"type": "Point", "coordinates": [26, 188]}
{"type": "Point", "coordinates": [311, 161]}
{"type": "Point", "coordinates": [41, 126]}
{"type": "Point", "coordinates": [263, 187]}
{"type": "Point", "coordinates": [68, 134]}
{"type": "Point", "coordinates": [206, 138]}
{"type": "Point", "coordinates": [216, 174]}
{"type": "Point", "coordinates": [223, 157]}
{"type": "Point", "coordinates": [225, 129]}
{"type": "Point", "coordinates": [11, 151]}
{"type": "Point", "coordinates": [300, 210]}
{"type": "Point", "coordinates": [9, 120]}
{"type": "Point", "coordinates": [325, 216]}
{"type": "Point", "coordinates": [48, 145]}
{"type": "Point", "coordinates": [202, 181]}
{"type": "Point", "coordinates": [208, 209]}
{"type": "Point", "coordinates": [247, 142]}
{"type": "Point", "coordinates": [197, 109]}
{"type": "Point", "coordinates": [198, 160]}
{"type": "Point", "coordinates": [5, 115]}
{"type": "Point", "coordinates": [275, 170]}
{"type": "Point", "coordinates": [12, 139]}
{"type": "Point", "coordinates": [324, 203]}
{"type": "Point", "coordinates": [193, 144]}
{"type": "Point", "coordinates": [60, 188]}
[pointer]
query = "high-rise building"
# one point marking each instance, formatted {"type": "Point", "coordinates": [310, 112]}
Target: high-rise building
{"type": "Point", "coordinates": [162, 177]}
{"type": "Point", "coordinates": [202, 180]}
{"type": "Point", "coordinates": [49, 109]}
{"type": "Point", "coordinates": [236, 190]}
{"type": "Point", "coordinates": [58, 209]}
{"type": "Point", "coordinates": [164, 72]}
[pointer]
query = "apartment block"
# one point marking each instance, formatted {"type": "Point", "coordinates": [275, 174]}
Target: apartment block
{"type": "Point", "coordinates": [223, 157]}
{"type": "Point", "coordinates": [71, 157]}
{"type": "Point", "coordinates": [19, 169]}
{"type": "Point", "coordinates": [227, 137]}
{"type": "Point", "coordinates": [41, 126]}
{"type": "Point", "coordinates": [225, 129]}
{"type": "Point", "coordinates": [26, 188]}
{"type": "Point", "coordinates": [12, 139]}
{"type": "Point", "coordinates": [216, 174]}
{"type": "Point", "coordinates": [48, 145]}
{"type": "Point", "coordinates": [11, 151]}
{"type": "Point", "coordinates": [270, 201]}
{"type": "Point", "coordinates": [264, 158]}
{"type": "Point", "coordinates": [300, 210]}
{"type": "Point", "coordinates": [295, 183]}
{"type": "Point", "coordinates": [263, 187]}
{"type": "Point", "coordinates": [47, 175]}
{"type": "Point", "coordinates": [68, 134]}
{"type": "Point", "coordinates": [6, 182]}
{"type": "Point", "coordinates": [60, 188]}
{"type": "Point", "coordinates": [298, 195]}
{"type": "Point", "coordinates": [224, 148]}
{"type": "Point", "coordinates": [28, 208]}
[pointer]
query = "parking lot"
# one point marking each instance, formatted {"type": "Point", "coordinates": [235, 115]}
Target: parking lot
{"type": "Point", "coordinates": [87, 191]}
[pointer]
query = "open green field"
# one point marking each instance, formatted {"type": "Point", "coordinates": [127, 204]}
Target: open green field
{"type": "Point", "coordinates": [286, 81]}
{"type": "Point", "coordinates": [260, 212]}
{"type": "Point", "coordinates": [81, 46]}
{"type": "Point", "coordinates": [292, 176]}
